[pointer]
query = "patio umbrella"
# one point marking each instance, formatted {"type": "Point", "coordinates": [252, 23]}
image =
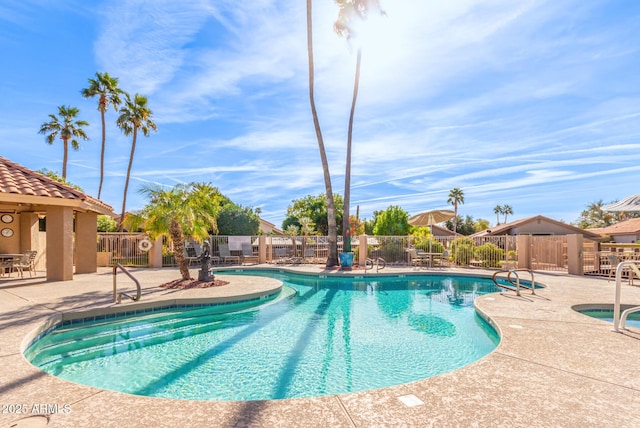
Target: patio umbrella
{"type": "Point", "coordinates": [429, 218]}
{"type": "Point", "coordinates": [630, 204]}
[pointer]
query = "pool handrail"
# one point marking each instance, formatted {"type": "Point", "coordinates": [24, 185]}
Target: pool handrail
{"type": "Point", "coordinates": [117, 297]}
{"type": "Point", "coordinates": [517, 281]}
{"type": "Point", "coordinates": [619, 320]}
{"type": "Point", "coordinates": [370, 263]}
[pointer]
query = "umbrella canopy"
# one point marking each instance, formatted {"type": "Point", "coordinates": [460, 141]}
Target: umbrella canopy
{"type": "Point", "coordinates": [429, 218]}
{"type": "Point", "coordinates": [632, 203]}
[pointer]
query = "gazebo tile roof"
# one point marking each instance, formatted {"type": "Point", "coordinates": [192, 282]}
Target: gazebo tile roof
{"type": "Point", "coordinates": [19, 180]}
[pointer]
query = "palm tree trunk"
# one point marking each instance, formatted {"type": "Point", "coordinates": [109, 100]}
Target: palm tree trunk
{"type": "Point", "coordinates": [177, 236]}
{"type": "Point", "coordinates": [126, 183]}
{"type": "Point", "coordinates": [332, 259]}
{"type": "Point", "coordinates": [104, 137]}
{"type": "Point", "coordinates": [346, 232]}
{"type": "Point", "coordinates": [65, 157]}
{"type": "Point", "coordinates": [455, 218]}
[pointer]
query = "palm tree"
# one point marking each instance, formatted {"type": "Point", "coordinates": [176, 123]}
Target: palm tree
{"type": "Point", "coordinates": [497, 210]}
{"type": "Point", "coordinates": [456, 197]}
{"type": "Point", "coordinates": [183, 211]}
{"type": "Point", "coordinates": [67, 128]}
{"type": "Point", "coordinates": [332, 259]}
{"type": "Point", "coordinates": [106, 87]}
{"type": "Point", "coordinates": [134, 116]}
{"type": "Point", "coordinates": [348, 11]}
{"type": "Point", "coordinates": [506, 210]}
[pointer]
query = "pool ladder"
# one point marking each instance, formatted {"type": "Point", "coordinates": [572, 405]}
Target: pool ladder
{"type": "Point", "coordinates": [515, 285]}
{"type": "Point", "coordinates": [369, 264]}
{"type": "Point", "coordinates": [117, 297]}
{"type": "Point", "coordinates": [619, 320]}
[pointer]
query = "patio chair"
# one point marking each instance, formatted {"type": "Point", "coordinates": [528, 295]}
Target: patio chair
{"type": "Point", "coordinates": [191, 254]}
{"type": "Point", "coordinates": [415, 259]}
{"type": "Point", "coordinates": [6, 266]}
{"type": "Point", "coordinates": [24, 262]}
{"type": "Point", "coordinates": [281, 255]}
{"type": "Point", "coordinates": [247, 254]}
{"type": "Point", "coordinates": [225, 254]}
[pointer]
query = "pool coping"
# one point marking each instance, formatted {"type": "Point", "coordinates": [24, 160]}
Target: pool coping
{"type": "Point", "coordinates": [540, 360]}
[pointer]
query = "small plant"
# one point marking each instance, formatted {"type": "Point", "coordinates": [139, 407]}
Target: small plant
{"type": "Point", "coordinates": [462, 251]}
{"type": "Point", "coordinates": [490, 254]}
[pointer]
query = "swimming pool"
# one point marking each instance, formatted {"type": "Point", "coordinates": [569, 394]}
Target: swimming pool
{"type": "Point", "coordinates": [329, 336]}
{"type": "Point", "coordinates": [606, 314]}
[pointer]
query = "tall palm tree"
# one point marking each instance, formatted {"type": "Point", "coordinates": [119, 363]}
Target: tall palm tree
{"type": "Point", "coordinates": [134, 116]}
{"type": "Point", "coordinates": [106, 87]}
{"type": "Point", "coordinates": [184, 211]}
{"type": "Point", "coordinates": [348, 11]}
{"type": "Point", "coordinates": [68, 128]}
{"type": "Point", "coordinates": [497, 210]}
{"type": "Point", "coordinates": [506, 210]}
{"type": "Point", "coordinates": [456, 197]}
{"type": "Point", "coordinates": [332, 259]}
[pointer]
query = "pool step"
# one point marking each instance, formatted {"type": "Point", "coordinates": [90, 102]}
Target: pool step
{"type": "Point", "coordinates": [123, 341]}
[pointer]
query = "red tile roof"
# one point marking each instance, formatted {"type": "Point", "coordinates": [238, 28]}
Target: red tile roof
{"type": "Point", "coordinates": [19, 180]}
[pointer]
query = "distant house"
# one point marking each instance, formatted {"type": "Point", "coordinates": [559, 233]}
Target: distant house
{"type": "Point", "coordinates": [537, 225]}
{"type": "Point", "coordinates": [268, 228]}
{"type": "Point", "coordinates": [41, 214]}
{"type": "Point", "coordinates": [624, 232]}
{"type": "Point", "coordinates": [442, 231]}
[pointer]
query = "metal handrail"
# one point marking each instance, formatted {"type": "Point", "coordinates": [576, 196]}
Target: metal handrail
{"type": "Point", "coordinates": [117, 297]}
{"type": "Point", "coordinates": [619, 320]}
{"type": "Point", "coordinates": [370, 263]}
{"type": "Point", "coordinates": [517, 281]}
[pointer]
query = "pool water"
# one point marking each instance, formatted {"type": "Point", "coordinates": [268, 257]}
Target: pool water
{"type": "Point", "coordinates": [327, 336]}
{"type": "Point", "coordinates": [633, 320]}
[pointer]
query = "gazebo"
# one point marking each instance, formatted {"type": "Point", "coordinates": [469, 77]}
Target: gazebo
{"type": "Point", "coordinates": [56, 220]}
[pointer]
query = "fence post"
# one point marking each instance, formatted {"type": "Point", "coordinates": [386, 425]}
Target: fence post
{"type": "Point", "coordinates": [155, 253]}
{"type": "Point", "coordinates": [574, 254]}
{"type": "Point", "coordinates": [523, 249]}
{"type": "Point", "coordinates": [362, 251]}
{"type": "Point", "coordinates": [262, 249]}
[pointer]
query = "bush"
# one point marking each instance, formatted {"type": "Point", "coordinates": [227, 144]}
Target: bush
{"type": "Point", "coordinates": [490, 254]}
{"type": "Point", "coordinates": [462, 251]}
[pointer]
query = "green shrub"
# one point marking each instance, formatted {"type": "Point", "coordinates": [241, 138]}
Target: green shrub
{"type": "Point", "coordinates": [490, 254]}
{"type": "Point", "coordinates": [462, 251]}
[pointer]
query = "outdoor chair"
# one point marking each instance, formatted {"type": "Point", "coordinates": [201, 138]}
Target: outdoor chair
{"type": "Point", "coordinates": [24, 263]}
{"type": "Point", "coordinates": [415, 259]}
{"type": "Point", "coordinates": [6, 266]}
{"type": "Point", "coordinates": [247, 254]}
{"type": "Point", "coordinates": [191, 255]}
{"type": "Point", "coordinates": [225, 254]}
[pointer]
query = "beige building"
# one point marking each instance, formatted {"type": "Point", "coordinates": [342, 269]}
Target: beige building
{"type": "Point", "coordinates": [537, 225]}
{"type": "Point", "coordinates": [56, 220]}
{"type": "Point", "coordinates": [624, 232]}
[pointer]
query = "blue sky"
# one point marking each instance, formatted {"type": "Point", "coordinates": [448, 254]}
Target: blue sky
{"type": "Point", "coordinates": [533, 103]}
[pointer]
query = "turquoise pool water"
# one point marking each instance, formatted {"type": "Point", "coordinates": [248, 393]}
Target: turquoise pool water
{"type": "Point", "coordinates": [633, 320]}
{"type": "Point", "coordinates": [327, 336]}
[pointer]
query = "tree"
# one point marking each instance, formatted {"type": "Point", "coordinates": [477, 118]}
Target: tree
{"type": "Point", "coordinates": [593, 216]}
{"type": "Point", "coordinates": [497, 210]}
{"type": "Point", "coordinates": [68, 128]}
{"type": "Point", "coordinates": [348, 11]}
{"type": "Point", "coordinates": [237, 220]}
{"type": "Point", "coordinates": [134, 116]}
{"type": "Point", "coordinates": [466, 226]}
{"type": "Point", "coordinates": [315, 208]}
{"type": "Point", "coordinates": [456, 197]}
{"type": "Point", "coordinates": [106, 87]}
{"type": "Point", "coordinates": [184, 210]}
{"type": "Point", "coordinates": [55, 176]}
{"type": "Point", "coordinates": [332, 259]}
{"type": "Point", "coordinates": [106, 224]}
{"type": "Point", "coordinates": [506, 210]}
{"type": "Point", "coordinates": [480, 224]}
{"type": "Point", "coordinates": [394, 221]}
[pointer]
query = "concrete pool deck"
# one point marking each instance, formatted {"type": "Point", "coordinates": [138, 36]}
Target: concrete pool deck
{"type": "Point", "coordinates": [553, 367]}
